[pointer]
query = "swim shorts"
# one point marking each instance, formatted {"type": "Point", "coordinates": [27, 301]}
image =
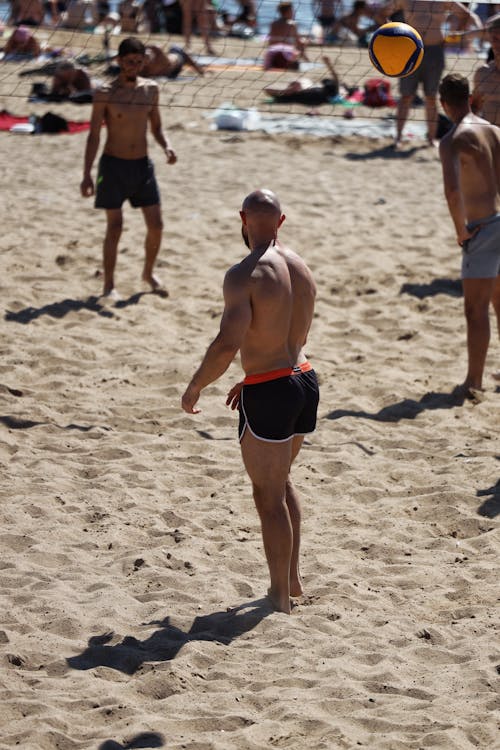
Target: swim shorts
{"type": "Point", "coordinates": [176, 50]}
{"type": "Point", "coordinates": [119, 180]}
{"type": "Point", "coordinates": [279, 404]}
{"type": "Point", "coordinates": [428, 73]}
{"type": "Point", "coordinates": [481, 254]}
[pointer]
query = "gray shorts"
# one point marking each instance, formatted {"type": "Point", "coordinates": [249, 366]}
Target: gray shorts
{"type": "Point", "coordinates": [481, 254]}
{"type": "Point", "coordinates": [428, 73]}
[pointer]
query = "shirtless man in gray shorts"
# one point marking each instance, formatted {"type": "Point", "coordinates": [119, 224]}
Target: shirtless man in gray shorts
{"type": "Point", "coordinates": [428, 18]}
{"type": "Point", "coordinates": [269, 305]}
{"type": "Point", "coordinates": [470, 157]}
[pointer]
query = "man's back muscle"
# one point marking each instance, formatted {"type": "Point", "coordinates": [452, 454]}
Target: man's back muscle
{"type": "Point", "coordinates": [282, 294]}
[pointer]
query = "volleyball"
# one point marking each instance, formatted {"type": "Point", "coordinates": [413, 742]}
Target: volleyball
{"type": "Point", "coordinates": [396, 49]}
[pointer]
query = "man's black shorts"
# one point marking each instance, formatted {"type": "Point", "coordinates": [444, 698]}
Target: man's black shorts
{"type": "Point", "coordinates": [119, 180]}
{"type": "Point", "coordinates": [278, 409]}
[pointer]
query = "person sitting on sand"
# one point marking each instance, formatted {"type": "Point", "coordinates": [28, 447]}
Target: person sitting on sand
{"type": "Point", "coordinates": [130, 16]}
{"type": "Point", "coordinates": [27, 13]}
{"type": "Point", "coordinates": [23, 42]}
{"type": "Point", "coordinates": [355, 22]}
{"type": "Point", "coordinates": [304, 91]}
{"type": "Point", "coordinates": [286, 46]}
{"type": "Point", "coordinates": [157, 63]}
{"type": "Point", "coordinates": [69, 80]}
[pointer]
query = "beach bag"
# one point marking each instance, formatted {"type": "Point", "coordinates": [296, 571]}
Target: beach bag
{"type": "Point", "coordinates": [51, 123]}
{"type": "Point", "coordinates": [378, 93]}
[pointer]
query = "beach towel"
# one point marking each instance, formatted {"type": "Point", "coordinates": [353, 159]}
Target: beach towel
{"type": "Point", "coordinates": [8, 121]}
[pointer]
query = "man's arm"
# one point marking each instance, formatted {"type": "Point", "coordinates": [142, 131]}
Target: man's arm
{"type": "Point", "coordinates": [453, 194]}
{"type": "Point", "coordinates": [92, 146]}
{"type": "Point", "coordinates": [157, 129]}
{"type": "Point", "coordinates": [461, 11]}
{"type": "Point", "coordinates": [477, 97]}
{"type": "Point", "coordinates": [235, 321]}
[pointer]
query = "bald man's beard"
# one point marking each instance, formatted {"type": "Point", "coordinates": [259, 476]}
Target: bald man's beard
{"type": "Point", "coordinates": [244, 234]}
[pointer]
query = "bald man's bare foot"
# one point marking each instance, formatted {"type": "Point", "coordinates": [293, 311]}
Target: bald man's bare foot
{"type": "Point", "coordinates": [296, 586]}
{"type": "Point", "coordinates": [468, 393]}
{"type": "Point", "coordinates": [280, 603]}
{"type": "Point", "coordinates": [156, 285]}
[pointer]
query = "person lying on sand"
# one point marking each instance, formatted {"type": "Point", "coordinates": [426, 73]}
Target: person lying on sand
{"type": "Point", "coordinates": [23, 42]}
{"type": "Point", "coordinates": [157, 63]}
{"type": "Point", "coordinates": [70, 79]}
{"type": "Point", "coordinates": [304, 91]}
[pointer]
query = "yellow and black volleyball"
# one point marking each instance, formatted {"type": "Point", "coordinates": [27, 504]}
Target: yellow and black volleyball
{"type": "Point", "coordinates": [396, 49]}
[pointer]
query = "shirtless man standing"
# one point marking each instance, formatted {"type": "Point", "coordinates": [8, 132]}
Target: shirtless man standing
{"type": "Point", "coordinates": [486, 88]}
{"type": "Point", "coordinates": [269, 303]}
{"type": "Point", "coordinates": [125, 170]}
{"type": "Point", "coordinates": [470, 156]}
{"type": "Point", "coordinates": [428, 18]}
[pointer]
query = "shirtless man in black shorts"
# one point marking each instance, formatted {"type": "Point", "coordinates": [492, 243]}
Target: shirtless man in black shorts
{"type": "Point", "coordinates": [127, 105]}
{"type": "Point", "coordinates": [269, 304]}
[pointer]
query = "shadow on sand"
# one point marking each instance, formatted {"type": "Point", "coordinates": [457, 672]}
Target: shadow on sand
{"type": "Point", "coordinates": [99, 305]}
{"type": "Point", "coordinates": [142, 740]}
{"type": "Point", "coordinates": [18, 423]}
{"type": "Point", "coordinates": [407, 408]}
{"type": "Point", "coordinates": [491, 506]}
{"type": "Point", "coordinates": [166, 642]}
{"type": "Point", "coordinates": [384, 152]}
{"type": "Point", "coordinates": [452, 287]}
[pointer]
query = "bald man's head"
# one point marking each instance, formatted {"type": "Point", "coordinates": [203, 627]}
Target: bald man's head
{"type": "Point", "coordinates": [261, 218]}
{"type": "Point", "coordinates": [262, 202]}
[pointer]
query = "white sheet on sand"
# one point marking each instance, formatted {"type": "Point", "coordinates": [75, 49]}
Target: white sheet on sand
{"type": "Point", "coordinates": [376, 127]}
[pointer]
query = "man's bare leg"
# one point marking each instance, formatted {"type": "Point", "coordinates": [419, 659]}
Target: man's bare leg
{"type": "Point", "coordinates": [495, 300]}
{"type": "Point", "coordinates": [477, 296]}
{"type": "Point", "coordinates": [187, 22]}
{"type": "Point", "coordinates": [267, 465]}
{"type": "Point", "coordinates": [114, 226]}
{"type": "Point", "coordinates": [294, 510]}
{"type": "Point", "coordinates": [431, 114]}
{"type": "Point", "coordinates": [401, 117]}
{"type": "Point", "coordinates": [154, 229]}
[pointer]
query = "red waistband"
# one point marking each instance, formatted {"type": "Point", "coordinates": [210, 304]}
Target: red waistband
{"type": "Point", "coordinates": [284, 372]}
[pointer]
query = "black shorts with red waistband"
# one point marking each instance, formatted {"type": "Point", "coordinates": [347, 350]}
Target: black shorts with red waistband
{"type": "Point", "coordinates": [280, 404]}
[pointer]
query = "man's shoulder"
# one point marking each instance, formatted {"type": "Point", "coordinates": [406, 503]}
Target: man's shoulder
{"type": "Point", "coordinates": [485, 69]}
{"type": "Point", "coordinates": [149, 87]}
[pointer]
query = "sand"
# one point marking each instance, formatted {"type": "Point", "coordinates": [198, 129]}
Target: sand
{"type": "Point", "coordinates": [133, 577]}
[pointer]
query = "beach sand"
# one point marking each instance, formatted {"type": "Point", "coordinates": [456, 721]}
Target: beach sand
{"type": "Point", "coordinates": [133, 576]}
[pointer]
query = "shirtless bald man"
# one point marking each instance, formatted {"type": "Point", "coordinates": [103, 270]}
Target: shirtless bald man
{"type": "Point", "coordinates": [269, 303]}
{"type": "Point", "coordinates": [470, 156]}
{"type": "Point", "coordinates": [126, 106]}
{"type": "Point", "coordinates": [486, 88]}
